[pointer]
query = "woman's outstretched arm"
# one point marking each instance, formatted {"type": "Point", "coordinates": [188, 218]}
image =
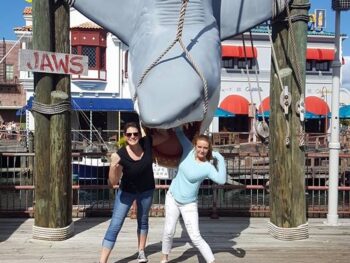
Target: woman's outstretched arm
{"type": "Point", "coordinates": [218, 175]}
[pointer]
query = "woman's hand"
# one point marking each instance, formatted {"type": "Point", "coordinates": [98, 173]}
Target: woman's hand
{"type": "Point", "coordinates": [115, 170]}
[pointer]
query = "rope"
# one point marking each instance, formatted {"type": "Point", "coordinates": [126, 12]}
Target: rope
{"type": "Point", "coordinates": [297, 66]}
{"type": "Point", "coordinates": [248, 75]}
{"type": "Point", "coordinates": [295, 18]}
{"type": "Point", "coordinates": [289, 234]}
{"type": "Point", "coordinates": [299, 79]}
{"type": "Point", "coordinates": [277, 7]}
{"type": "Point", "coordinates": [51, 109]}
{"type": "Point", "coordinates": [274, 59]}
{"type": "Point", "coordinates": [256, 73]}
{"type": "Point", "coordinates": [14, 45]}
{"type": "Point", "coordinates": [53, 234]}
{"type": "Point", "coordinates": [188, 56]}
{"type": "Point", "coordinates": [261, 130]}
{"type": "Point", "coordinates": [70, 2]}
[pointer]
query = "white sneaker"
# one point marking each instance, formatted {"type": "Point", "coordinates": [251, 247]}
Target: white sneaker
{"type": "Point", "coordinates": [142, 257]}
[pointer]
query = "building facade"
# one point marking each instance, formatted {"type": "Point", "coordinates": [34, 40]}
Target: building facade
{"type": "Point", "coordinates": [12, 94]}
{"type": "Point", "coordinates": [245, 85]}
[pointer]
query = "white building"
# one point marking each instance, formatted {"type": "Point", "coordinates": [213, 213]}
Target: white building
{"type": "Point", "coordinates": [107, 77]}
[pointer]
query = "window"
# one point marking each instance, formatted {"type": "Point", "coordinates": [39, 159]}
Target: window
{"type": "Point", "coordinates": [75, 50]}
{"type": "Point", "coordinates": [308, 65]}
{"type": "Point", "coordinates": [91, 53]}
{"type": "Point", "coordinates": [239, 123]}
{"type": "Point", "coordinates": [241, 64]}
{"type": "Point", "coordinates": [9, 72]}
{"type": "Point", "coordinates": [90, 43]}
{"type": "Point", "coordinates": [126, 75]}
{"type": "Point", "coordinates": [227, 63]}
{"type": "Point", "coordinates": [322, 65]}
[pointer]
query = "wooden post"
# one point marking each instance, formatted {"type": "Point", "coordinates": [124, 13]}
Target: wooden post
{"type": "Point", "coordinates": [287, 160]}
{"type": "Point", "coordinates": [61, 143]}
{"type": "Point", "coordinates": [43, 85]}
{"type": "Point", "coordinates": [53, 137]}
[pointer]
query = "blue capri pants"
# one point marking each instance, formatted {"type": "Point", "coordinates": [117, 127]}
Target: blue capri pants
{"type": "Point", "coordinates": [122, 204]}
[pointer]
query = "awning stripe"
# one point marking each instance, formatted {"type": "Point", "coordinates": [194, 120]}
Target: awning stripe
{"type": "Point", "coordinates": [238, 51]}
{"type": "Point", "coordinates": [92, 104]}
{"type": "Point", "coordinates": [320, 54]}
{"type": "Point", "coordinates": [235, 104]}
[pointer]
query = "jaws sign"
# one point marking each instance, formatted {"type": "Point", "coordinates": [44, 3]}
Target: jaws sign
{"type": "Point", "coordinates": [49, 62]}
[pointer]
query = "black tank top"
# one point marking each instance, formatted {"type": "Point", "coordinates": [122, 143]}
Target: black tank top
{"type": "Point", "coordinates": [137, 175]}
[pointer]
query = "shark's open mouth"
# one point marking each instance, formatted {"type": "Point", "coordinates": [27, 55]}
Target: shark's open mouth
{"type": "Point", "coordinates": [168, 153]}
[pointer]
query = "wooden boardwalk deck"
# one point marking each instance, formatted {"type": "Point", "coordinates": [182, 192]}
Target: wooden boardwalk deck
{"type": "Point", "coordinates": [232, 240]}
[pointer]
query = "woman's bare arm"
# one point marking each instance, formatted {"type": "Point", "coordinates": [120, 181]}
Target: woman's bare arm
{"type": "Point", "coordinates": [115, 170]}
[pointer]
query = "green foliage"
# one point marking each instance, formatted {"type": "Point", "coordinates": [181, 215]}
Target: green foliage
{"type": "Point", "coordinates": [121, 142]}
{"type": "Point", "coordinates": [345, 122]}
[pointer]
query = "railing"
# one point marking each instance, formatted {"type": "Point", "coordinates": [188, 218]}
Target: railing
{"type": "Point", "coordinates": [246, 191]}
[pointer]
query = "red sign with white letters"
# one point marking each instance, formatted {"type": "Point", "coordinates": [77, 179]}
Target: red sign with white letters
{"type": "Point", "coordinates": [50, 62]}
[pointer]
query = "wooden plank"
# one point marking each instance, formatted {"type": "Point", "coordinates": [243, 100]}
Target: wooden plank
{"type": "Point", "coordinates": [231, 239]}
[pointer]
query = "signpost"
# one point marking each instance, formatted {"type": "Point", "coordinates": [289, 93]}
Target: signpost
{"type": "Point", "coordinates": [54, 63]}
{"type": "Point", "coordinates": [53, 175]}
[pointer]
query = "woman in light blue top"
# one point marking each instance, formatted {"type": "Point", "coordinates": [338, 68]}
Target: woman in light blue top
{"type": "Point", "coordinates": [198, 162]}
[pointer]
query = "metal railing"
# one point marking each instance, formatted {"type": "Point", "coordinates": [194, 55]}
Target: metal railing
{"type": "Point", "coordinates": [246, 192]}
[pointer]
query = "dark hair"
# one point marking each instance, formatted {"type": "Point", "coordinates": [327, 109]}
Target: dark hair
{"type": "Point", "coordinates": [206, 138]}
{"type": "Point", "coordinates": [133, 125]}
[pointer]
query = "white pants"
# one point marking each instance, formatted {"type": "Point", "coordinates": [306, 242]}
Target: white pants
{"type": "Point", "coordinates": [189, 214]}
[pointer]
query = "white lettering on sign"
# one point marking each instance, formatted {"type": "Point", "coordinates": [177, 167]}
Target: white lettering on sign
{"type": "Point", "coordinates": [50, 62]}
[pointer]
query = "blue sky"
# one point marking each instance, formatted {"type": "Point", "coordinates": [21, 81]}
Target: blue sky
{"type": "Point", "coordinates": [11, 16]}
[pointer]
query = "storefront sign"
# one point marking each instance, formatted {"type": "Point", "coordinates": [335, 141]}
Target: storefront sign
{"type": "Point", "coordinates": [253, 89]}
{"type": "Point", "coordinates": [49, 62]}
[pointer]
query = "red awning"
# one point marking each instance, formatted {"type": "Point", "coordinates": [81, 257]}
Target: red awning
{"type": "Point", "coordinates": [316, 105]}
{"type": "Point", "coordinates": [230, 51]}
{"type": "Point", "coordinates": [238, 52]}
{"type": "Point", "coordinates": [265, 105]}
{"type": "Point", "coordinates": [235, 104]}
{"type": "Point", "coordinates": [320, 54]}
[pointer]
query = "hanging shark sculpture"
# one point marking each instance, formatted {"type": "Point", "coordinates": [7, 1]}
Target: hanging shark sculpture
{"type": "Point", "coordinates": [173, 85]}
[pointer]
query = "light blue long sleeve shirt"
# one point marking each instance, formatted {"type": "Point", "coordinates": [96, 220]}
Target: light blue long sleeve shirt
{"type": "Point", "coordinates": [191, 173]}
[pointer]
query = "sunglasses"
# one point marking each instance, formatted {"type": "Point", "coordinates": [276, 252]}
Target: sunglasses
{"type": "Point", "coordinates": [128, 134]}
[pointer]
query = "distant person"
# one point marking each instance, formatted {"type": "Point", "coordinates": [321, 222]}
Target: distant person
{"type": "Point", "coordinates": [198, 162]}
{"type": "Point", "coordinates": [133, 164]}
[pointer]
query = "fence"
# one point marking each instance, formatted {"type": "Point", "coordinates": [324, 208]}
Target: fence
{"type": "Point", "coordinates": [245, 194]}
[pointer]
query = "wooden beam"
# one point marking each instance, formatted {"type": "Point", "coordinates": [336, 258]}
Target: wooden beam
{"type": "Point", "coordinates": [43, 85]}
{"type": "Point", "coordinates": [287, 161]}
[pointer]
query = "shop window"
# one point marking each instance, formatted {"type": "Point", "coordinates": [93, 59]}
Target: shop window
{"type": "Point", "coordinates": [227, 63]}
{"type": "Point", "coordinates": [322, 65]}
{"type": "Point", "coordinates": [318, 65]}
{"type": "Point", "coordinates": [308, 65]}
{"type": "Point", "coordinates": [239, 123]}
{"type": "Point", "coordinates": [241, 63]}
{"type": "Point", "coordinates": [315, 125]}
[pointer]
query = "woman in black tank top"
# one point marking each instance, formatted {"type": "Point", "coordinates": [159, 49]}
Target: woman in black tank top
{"type": "Point", "coordinates": [133, 164]}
